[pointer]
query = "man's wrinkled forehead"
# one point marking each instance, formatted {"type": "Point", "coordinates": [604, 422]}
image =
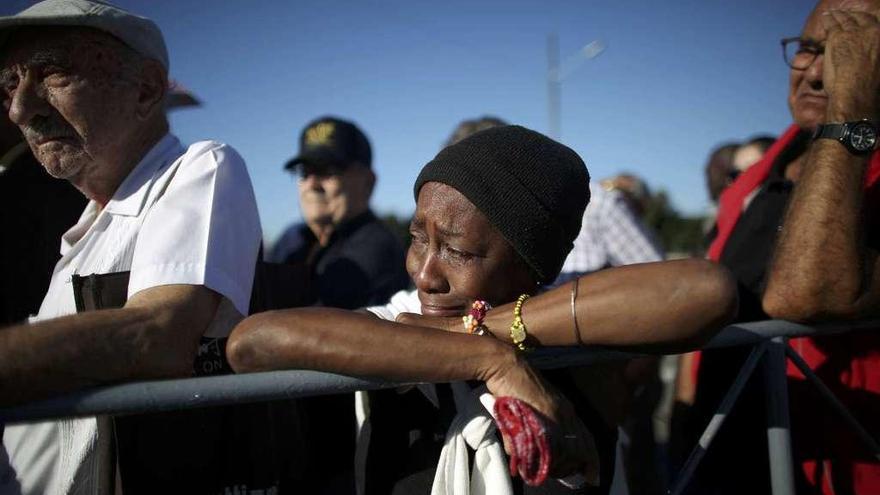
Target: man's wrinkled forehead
{"type": "Point", "coordinates": [62, 46]}
{"type": "Point", "coordinates": [813, 26]}
{"type": "Point", "coordinates": [32, 47]}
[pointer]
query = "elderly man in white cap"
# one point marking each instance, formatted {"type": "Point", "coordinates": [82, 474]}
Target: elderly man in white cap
{"type": "Point", "coordinates": [86, 82]}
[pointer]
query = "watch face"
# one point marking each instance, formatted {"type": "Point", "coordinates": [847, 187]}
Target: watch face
{"type": "Point", "coordinates": [863, 136]}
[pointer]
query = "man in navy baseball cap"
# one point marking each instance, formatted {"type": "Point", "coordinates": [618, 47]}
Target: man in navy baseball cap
{"type": "Point", "coordinates": [352, 260]}
{"type": "Point", "coordinates": [332, 141]}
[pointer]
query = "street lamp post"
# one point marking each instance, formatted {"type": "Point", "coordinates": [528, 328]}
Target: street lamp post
{"type": "Point", "coordinates": [557, 71]}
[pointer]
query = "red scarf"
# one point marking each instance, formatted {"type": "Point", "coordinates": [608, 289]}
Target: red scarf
{"type": "Point", "coordinates": [730, 204]}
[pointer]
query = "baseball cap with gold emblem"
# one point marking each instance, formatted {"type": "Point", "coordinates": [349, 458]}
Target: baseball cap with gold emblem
{"type": "Point", "coordinates": [332, 141]}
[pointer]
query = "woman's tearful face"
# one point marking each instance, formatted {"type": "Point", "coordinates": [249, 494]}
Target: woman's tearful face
{"type": "Point", "coordinates": [457, 256]}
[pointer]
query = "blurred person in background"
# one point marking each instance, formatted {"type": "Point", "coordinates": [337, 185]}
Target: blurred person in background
{"type": "Point", "coordinates": [612, 233]}
{"type": "Point", "coordinates": [748, 153]}
{"type": "Point", "coordinates": [633, 188]}
{"type": "Point", "coordinates": [467, 127]}
{"type": "Point", "coordinates": [348, 259]}
{"type": "Point", "coordinates": [352, 259]}
{"type": "Point", "coordinates": [720, 171]}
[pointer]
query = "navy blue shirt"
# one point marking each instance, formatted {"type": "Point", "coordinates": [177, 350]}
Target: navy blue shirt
{"type": "Point", "coordinates": [362, 265]}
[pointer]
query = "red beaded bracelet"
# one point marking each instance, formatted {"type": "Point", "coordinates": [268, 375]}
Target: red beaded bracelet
{"type": "Point", "coordinates": [473, 321]}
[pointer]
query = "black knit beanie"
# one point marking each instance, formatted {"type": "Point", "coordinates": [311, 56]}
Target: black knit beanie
{"type": "Point", "coordinates": [531, 188]}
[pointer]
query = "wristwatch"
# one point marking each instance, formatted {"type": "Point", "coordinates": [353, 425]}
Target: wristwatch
{"type": "Point", "coordinates": [859, 137]}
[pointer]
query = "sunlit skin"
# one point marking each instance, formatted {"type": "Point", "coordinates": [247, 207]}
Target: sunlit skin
{"type": "Point", "coordinates": [80, 105]}
{"type": "Point", "coordinates": [807, 94]}
{"type": "Point", "coordinates": [456, 256]}
{"type": "Point", "coordinates": [329, 195]}
{"type": "Point", "coordinates": [822, 268]}
{"type": "Point", "coordinates": [824, 264]}
{"type": "Point", "coordinates": [746, 156]}
{"type": "Point", "coordinates": [90, 109]}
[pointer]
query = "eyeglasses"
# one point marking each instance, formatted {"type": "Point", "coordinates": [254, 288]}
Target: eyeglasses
{"type": "Point", "coordinates": [800, 53]}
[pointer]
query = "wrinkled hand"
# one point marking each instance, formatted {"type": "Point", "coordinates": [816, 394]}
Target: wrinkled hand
{"type": "Point", "coordinates": [572, 445]}
{"type": "Point", "coordinates": [448, 323]}
{"type": "Point", "coordinates": [851, 70]}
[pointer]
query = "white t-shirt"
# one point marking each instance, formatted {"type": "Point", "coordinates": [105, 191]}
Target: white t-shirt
{"type": "Point", "coordinates": [401, 302]}
{"type": "Point", "coordinates": [182, 216]}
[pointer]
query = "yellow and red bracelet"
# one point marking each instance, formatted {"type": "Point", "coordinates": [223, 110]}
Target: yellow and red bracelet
{"type": "Point", "coordinates": [518, 332]}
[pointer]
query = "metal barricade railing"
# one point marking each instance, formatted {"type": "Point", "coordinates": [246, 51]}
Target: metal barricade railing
{"type": "Point", "coordinates": [771, 353]}
{"type": "Point", "coordinates": [770, 350]}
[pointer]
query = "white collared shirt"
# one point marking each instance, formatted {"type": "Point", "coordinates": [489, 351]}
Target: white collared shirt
{"type": "Point", "coordinates": [182, 216]}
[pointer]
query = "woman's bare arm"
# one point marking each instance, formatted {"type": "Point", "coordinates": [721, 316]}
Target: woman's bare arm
{"type": "Point", "coordinates": [361, 344]}
{"type": "Point", "coordinates": [668, 306]}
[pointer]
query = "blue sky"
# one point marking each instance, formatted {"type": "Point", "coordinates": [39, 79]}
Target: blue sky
{"type": "Point", "coordinates": [675, 79]}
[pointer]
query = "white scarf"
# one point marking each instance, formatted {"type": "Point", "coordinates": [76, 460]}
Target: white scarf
{"type": "Point", "coordinates": [473, 426]}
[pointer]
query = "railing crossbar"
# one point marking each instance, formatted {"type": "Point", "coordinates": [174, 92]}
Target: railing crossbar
{"type": "Point", "coordinates": [168, 395]}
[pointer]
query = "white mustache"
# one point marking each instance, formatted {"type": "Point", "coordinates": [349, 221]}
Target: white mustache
{"type": "Point", "coordinates": [41, 129]}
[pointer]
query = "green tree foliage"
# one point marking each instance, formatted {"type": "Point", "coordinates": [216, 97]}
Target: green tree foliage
{"type": "Point", "coordinates": [679, 235]}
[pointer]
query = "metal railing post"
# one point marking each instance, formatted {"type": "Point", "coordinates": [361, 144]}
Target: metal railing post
{"type": "Point", "coordinates": [696, 455]}
{"type": "Point", "coordinates": [778, 420]}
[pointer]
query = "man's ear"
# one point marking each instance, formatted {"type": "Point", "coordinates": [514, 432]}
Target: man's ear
{"type": "Point", "coordinates": [371, 182]}
{"type": "Point", "coordinates": [152, 89]}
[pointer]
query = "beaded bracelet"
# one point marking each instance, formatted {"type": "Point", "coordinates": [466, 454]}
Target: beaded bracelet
{"type": "Point", "coordinates": [473, 321]}
{"type": "Point", "coordinates": [518, 332]}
